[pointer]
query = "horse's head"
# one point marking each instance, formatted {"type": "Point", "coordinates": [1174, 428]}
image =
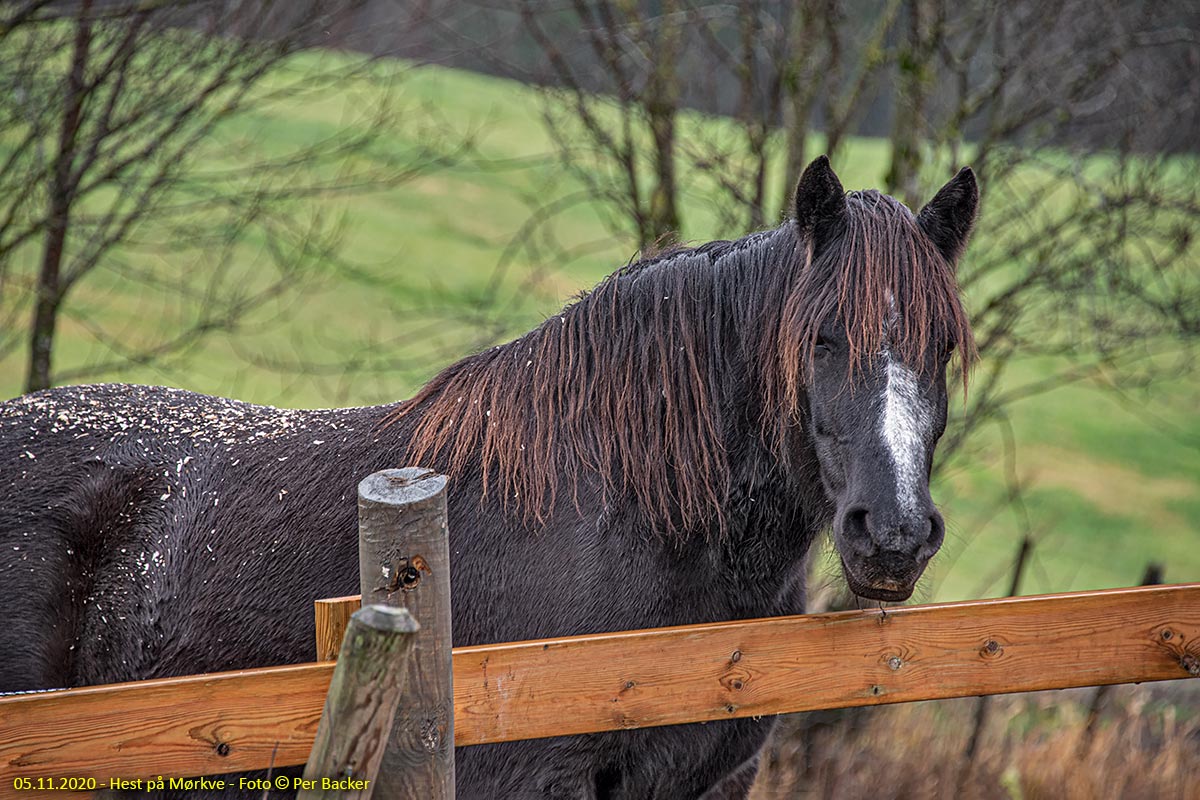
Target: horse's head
{"type": "Point", "coordinates": [874, 319]}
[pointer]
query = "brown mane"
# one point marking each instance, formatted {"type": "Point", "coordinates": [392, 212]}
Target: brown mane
{"type": "Point", "coordinates": [628, 386]}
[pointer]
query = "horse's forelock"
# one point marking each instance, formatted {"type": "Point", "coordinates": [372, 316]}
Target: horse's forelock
{"type": "Point", "coordinates": [886, 283]}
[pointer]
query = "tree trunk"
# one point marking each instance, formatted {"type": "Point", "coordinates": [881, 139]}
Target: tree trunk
{"type": "Point", "coordinates": [50, 287]}
{"type": "Point", "coordinates": [661, 104]}
{"type": "Point", "coordinates": [800, 84]}
{"type": "Point", "coordinates": [753, 115]}
{"type": "Point", "coordinates": [831, 18]}
{"type": "Point", "coordinates": [903, 178]}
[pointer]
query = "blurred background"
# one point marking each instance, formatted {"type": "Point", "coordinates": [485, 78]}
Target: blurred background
{"type": "Point", "coordinates": [324, 202]}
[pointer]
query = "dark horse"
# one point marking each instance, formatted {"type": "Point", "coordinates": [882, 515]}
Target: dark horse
{"type": "Point", "coordinates": [664, 451]}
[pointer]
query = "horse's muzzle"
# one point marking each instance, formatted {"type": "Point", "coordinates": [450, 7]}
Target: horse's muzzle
{"type": "Point", "coordinates": [886, 575]}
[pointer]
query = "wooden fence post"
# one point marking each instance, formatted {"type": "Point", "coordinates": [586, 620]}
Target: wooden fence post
{"type": "Point", "coordinates": [404, 560]}
{"type": "Point", "coordinates": [363, 695]}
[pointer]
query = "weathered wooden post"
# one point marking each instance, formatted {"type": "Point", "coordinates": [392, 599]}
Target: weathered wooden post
{"type": "Point", "coordinates": [364, 693]}
{"type": "Point", "coordinates": [404, 560]}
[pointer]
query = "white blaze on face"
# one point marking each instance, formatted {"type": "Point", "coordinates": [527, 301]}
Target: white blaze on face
{"type": "Point", "coordinates": [905, 425]}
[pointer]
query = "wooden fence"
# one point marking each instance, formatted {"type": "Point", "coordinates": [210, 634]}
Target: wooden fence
{"type": "Point", "coordinates": [252, 719]}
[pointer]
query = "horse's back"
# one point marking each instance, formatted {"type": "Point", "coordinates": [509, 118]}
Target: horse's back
{"type": "Point", "coordinates": [139, 525]}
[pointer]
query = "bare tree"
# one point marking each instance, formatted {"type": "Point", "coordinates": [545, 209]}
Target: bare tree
{"type": "Point", "coordinates": [1086, 257]}
{"type": "Point", "coordinates": [631, 133]}
{"type": "Point", "coordinates": [127, 137]}
{"type": "Point", "coordinates": [761, 62]}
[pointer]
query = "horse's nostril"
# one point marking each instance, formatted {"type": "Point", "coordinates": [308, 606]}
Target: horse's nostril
{"type": "Point", "coordinates": [855, 523]}
{"type": "Point", "coordinates": [937, 530]}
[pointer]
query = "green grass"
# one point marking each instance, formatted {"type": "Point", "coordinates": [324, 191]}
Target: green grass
{"type": "Point", "coordinates": [1110, 483]}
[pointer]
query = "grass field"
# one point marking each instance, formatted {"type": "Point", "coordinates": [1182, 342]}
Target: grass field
{"type": "Point", "coordinates": [1112, 481]}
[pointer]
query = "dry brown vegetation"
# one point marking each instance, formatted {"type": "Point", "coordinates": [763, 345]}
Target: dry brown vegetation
{"type": "Point", "coordinates": [1143, 743]}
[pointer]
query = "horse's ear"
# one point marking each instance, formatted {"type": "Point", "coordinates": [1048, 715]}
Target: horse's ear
{"type": "Point", "coordinates": [948, 217]}
{"type": "Point", "coordinates": [820, 202]}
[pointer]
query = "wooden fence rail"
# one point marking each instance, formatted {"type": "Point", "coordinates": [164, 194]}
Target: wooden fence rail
{"type": "Point", "coordinates": [227, 722]}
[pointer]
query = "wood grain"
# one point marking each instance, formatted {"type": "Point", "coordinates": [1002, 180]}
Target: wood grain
{"type": "Point", "coordinates": [695, 673]}
{"type": "Point", "coordinates": [404, 561]}
{"type": "Point", "coordinates": [199, 725]}
{"type": "Point", "coordinates": [360, 707]}
{"type": "Point", "coordinates": [634, 679]}
{"type": "Point", "coordinates": [332, 617]}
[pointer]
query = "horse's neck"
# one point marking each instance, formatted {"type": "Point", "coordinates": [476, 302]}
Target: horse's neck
{"type": "Point", "coordinates": [775, 518]}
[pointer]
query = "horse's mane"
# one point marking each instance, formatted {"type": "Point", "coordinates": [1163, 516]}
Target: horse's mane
{"type": "Point", "coordinates": [631, 381]}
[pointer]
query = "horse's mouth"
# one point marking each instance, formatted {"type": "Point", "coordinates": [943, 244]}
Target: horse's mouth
{"type": "Point", "coordinates": [885, 589]}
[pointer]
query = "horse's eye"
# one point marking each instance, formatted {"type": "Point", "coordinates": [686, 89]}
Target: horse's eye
{"type": "Point", "coordinates": [821, 348]}
{"type": "Point", "coordinates": [947, 351]}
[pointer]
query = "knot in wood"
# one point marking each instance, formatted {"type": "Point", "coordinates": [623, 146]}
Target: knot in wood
{"type": "Point", "coordinates": [431, 735]}
{"type": "Point", "coordinates": [409, 578]}
{"type": "Point", "coordinates": [407, 574]}
{"type": "Point", "coordinates": [1191, 664]}
{"type": "Point", "coordinates": [735, 680]}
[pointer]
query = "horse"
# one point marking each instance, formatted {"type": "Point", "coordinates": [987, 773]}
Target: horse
{"type": "Point", "coordinates": [665, 450]}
